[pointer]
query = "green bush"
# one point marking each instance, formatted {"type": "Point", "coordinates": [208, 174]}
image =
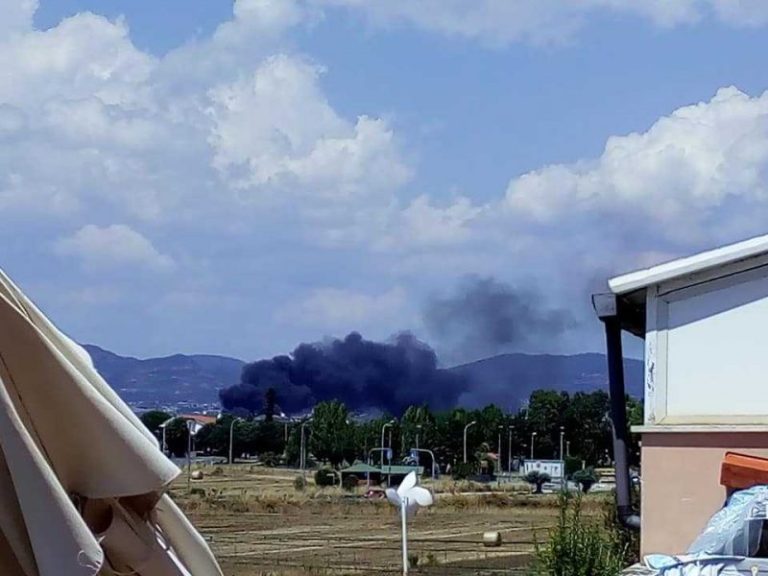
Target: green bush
{"type": "Point", "coordinates": [325, 477]}
{"type": "Point", "coordinates": [299, 483]}
{"type": "Point", "coordinates": [585, 478]}
{"type": "Point", "coordinates": [572, 465]}
{"type": "Point", "coordinates": [463, 470]}
{"type": "Point", "coordinates": [626, 539]}
{"type": "Point", "coordinates": [537, 479]}
{"type": "Point", "coordinates": [350, 482]}
{"type": "Point", "coordinates": [578, 546]}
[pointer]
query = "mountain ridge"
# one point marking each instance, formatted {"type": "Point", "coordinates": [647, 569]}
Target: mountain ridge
{"type": "Point", "coordinates": [504, 379]}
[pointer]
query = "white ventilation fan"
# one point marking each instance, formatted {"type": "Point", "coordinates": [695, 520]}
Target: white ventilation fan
{"type": "Point", "coordinates": [409, 498]}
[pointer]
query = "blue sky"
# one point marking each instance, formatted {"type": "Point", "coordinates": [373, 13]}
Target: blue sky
{"type": "Point", "coordinates": [197, 176]}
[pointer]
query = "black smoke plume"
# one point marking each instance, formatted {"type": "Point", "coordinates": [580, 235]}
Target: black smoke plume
{"type": "Point", "coordinates": [483, 317]}
{"type": "Point", "coordinates": [361, 373]}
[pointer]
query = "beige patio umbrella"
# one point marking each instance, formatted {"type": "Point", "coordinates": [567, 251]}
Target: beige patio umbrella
{"type": "Point", "coordinates": [82, 481]}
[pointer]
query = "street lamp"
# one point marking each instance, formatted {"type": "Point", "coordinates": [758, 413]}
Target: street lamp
{"type": "Point", "coordinates": [509, 450]}
{"type": "Point", "coordinates": [465, 438]}
{"type": "Point", "coordinates": [303, 448]}
{"type": "Point", "coordinates": [231, 436]}
{"type": "Point", "coordinates": [498, 451]}
{"type": "Point", "coordinates": [384, 427]}
{"type": "Point", "coordinates": [418, 431]}
{"type": "Point", "coordinates": [533, 441]}
{"type": "Point", "coordinates": [562, 437]}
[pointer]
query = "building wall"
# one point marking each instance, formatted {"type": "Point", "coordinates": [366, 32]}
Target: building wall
{"type": "Point", "coordinates": [681, 483]}
{"type": "Point", "coordinates": [704, 352]}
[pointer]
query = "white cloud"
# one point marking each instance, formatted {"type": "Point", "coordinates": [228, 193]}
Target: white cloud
{"type": "Point", "coordinates": [501, 22]}
{"type": "Point", "coordinates": [421, 224]}
{"type": "Point", "coordinates": [343, 310]}
{"type": "Point", "coordinates": [114, 246]}
{"type": "Point", "coordinates": [276, 130]}
{"type": "Point", "coordinates": [701, 167]}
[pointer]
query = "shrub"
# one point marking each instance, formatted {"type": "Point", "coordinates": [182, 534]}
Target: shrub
{"type": "Point", "coordinates": [626, 539]}
{"type": "Point", "coordinates": [350, 482]}
{"type": "Point", "coordinates": [299, 483]}
{"type": "Point", "coordinates": [269, 459]}
{"type": "Point", "coordinates": [577, 546]}
{"type": "Point", "coordinates": [324, 477]}
{"type": "Point", "coordinates": [585, 478]}
{"type": "Point", "coordinates": [537, 479]}
{"type": "Point", "coordinates": [463, 470]}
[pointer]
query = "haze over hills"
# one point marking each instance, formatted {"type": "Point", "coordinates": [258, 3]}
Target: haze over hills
{"type": "Point", "coordinates": [506, 379]}
{"type": "Point", "coordinates": [194, 379]}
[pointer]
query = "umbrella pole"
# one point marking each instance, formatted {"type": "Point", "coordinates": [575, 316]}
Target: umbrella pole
{"type": "Point", "coordinates": [404, 520]}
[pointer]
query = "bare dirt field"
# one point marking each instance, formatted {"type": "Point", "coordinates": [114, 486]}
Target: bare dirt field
{"type": "Point", "coordinates": [258, 524]}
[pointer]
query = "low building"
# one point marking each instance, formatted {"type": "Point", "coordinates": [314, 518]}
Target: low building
{"type": "Point", "coordinates": [703, 319]}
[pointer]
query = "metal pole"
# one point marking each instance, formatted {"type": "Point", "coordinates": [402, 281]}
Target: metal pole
{"type": "Point", "coordinates": [404, 520]}
{"type": "Point", "coordinates": [498, 453]}
{"type": "Point", "coordinates": [465, 439]}
{"type": "Point", "coordinates": [562, 437]}
{"type": "Point", "coordinates": [189, 455]}
{"type": "Point", "coordinates": [231, 438]}
{"type": "Point", "coordinates": [509, 452]}
{"type": "Point", "coordinates": [533, 440]}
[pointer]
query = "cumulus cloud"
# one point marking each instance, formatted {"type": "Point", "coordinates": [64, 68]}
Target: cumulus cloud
{"type": "Point", "coordinates": [216, 128]}
{"type": "Point", "coordinates": [694, 174]}
{"type": "Point", "coordinates": [277, 130]}
{"type": "Point", "coordinates": [115, 246]}
{"type": "Point", "coordinates": [501, 22]}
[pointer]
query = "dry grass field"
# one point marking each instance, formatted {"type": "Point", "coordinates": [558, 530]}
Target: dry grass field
{"type": "Point", "coordinates": [259, 524]}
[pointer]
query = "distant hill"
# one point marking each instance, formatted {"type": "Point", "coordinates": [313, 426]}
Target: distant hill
{"type": "Point", "coordinates": [506, 380]}
{"type": "Point", "coordinates": [509, 379]}
{"type": "Point", "coordinates": [172, 379]}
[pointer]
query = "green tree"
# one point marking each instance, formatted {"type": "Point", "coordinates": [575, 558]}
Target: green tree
{"type": "Point", "coordinates": [537, 479]}
{"type": "Point", "coordinates": [585, 478]}
{"type": "Point", "coordinates": [331, 439]}
{"type": "Point", "coordinates": [153, 419]}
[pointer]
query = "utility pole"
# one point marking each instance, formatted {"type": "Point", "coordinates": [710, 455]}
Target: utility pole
{"type": "Point", "coordinates": [509, 451]}
{"type": "Point", "coordinates": [533, 441]}
{"type": "Point", "coordinates": [465, 438]}
{"type": "Point", "coordinates": [562, 457]}
{"type": "Point", "coordinates": [232, 438]}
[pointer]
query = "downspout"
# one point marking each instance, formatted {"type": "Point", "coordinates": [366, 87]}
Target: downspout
{"type": "Point", "coordinates": [606, 306]}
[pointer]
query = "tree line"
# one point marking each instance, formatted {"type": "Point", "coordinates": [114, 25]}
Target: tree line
{"type": "Point", "coordinates": [336, 437]}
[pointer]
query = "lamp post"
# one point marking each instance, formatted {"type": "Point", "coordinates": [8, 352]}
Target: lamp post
{"type": "Point", "coordinates": [533, 441]}
{"type": "Point", "coordinates": [232, 437]}
{"type": "Point", "coordinates": [509, 451]}
{"type": "Point", "coordinates": [498, 451]}
{"type": "Point", "coordinates": [562, 438]}
{"type": "Point", "coordinates": [303, 455]}
{"type": "Point", "coordinates": [465, 438]}
{"type": "Point", "coordinates": [383, 428]}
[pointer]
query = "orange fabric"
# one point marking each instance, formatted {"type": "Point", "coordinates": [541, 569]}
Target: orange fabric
{"type": "Point", "coordinates": [740, 471]}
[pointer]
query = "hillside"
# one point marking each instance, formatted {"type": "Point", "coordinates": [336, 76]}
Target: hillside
{"type": "Point", "coordinates": [169, 380]}
{"type": "Point", "coordinates": [506, 380]}
{"type": "Point", "coordinates": [509, 379]}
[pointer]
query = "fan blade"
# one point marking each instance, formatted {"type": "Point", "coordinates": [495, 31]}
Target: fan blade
{"type": "Point", "coordinates": [420, 495]}
{"type": "Point", "coordinates": [408, 482]}
{"type": "Point", "coordinates": [411, 507]}
{"type": "Point", "coordinates": [393, 497]}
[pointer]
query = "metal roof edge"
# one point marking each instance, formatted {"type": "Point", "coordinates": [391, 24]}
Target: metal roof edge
{"type": "Point", "coordinates": [689, 265]}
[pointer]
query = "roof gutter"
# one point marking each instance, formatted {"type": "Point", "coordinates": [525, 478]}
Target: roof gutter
{"type": "Point", "coordinates": [607, 309]}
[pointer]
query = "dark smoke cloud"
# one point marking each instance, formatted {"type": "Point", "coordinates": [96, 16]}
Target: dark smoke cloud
{"type": "Point", "coordinates": [485, 317]}
{"type": "Point", "coordinates": [361, 373]}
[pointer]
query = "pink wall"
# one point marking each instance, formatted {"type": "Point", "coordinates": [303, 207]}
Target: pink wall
{"type": "Point", "coordinates": [681, 483]}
